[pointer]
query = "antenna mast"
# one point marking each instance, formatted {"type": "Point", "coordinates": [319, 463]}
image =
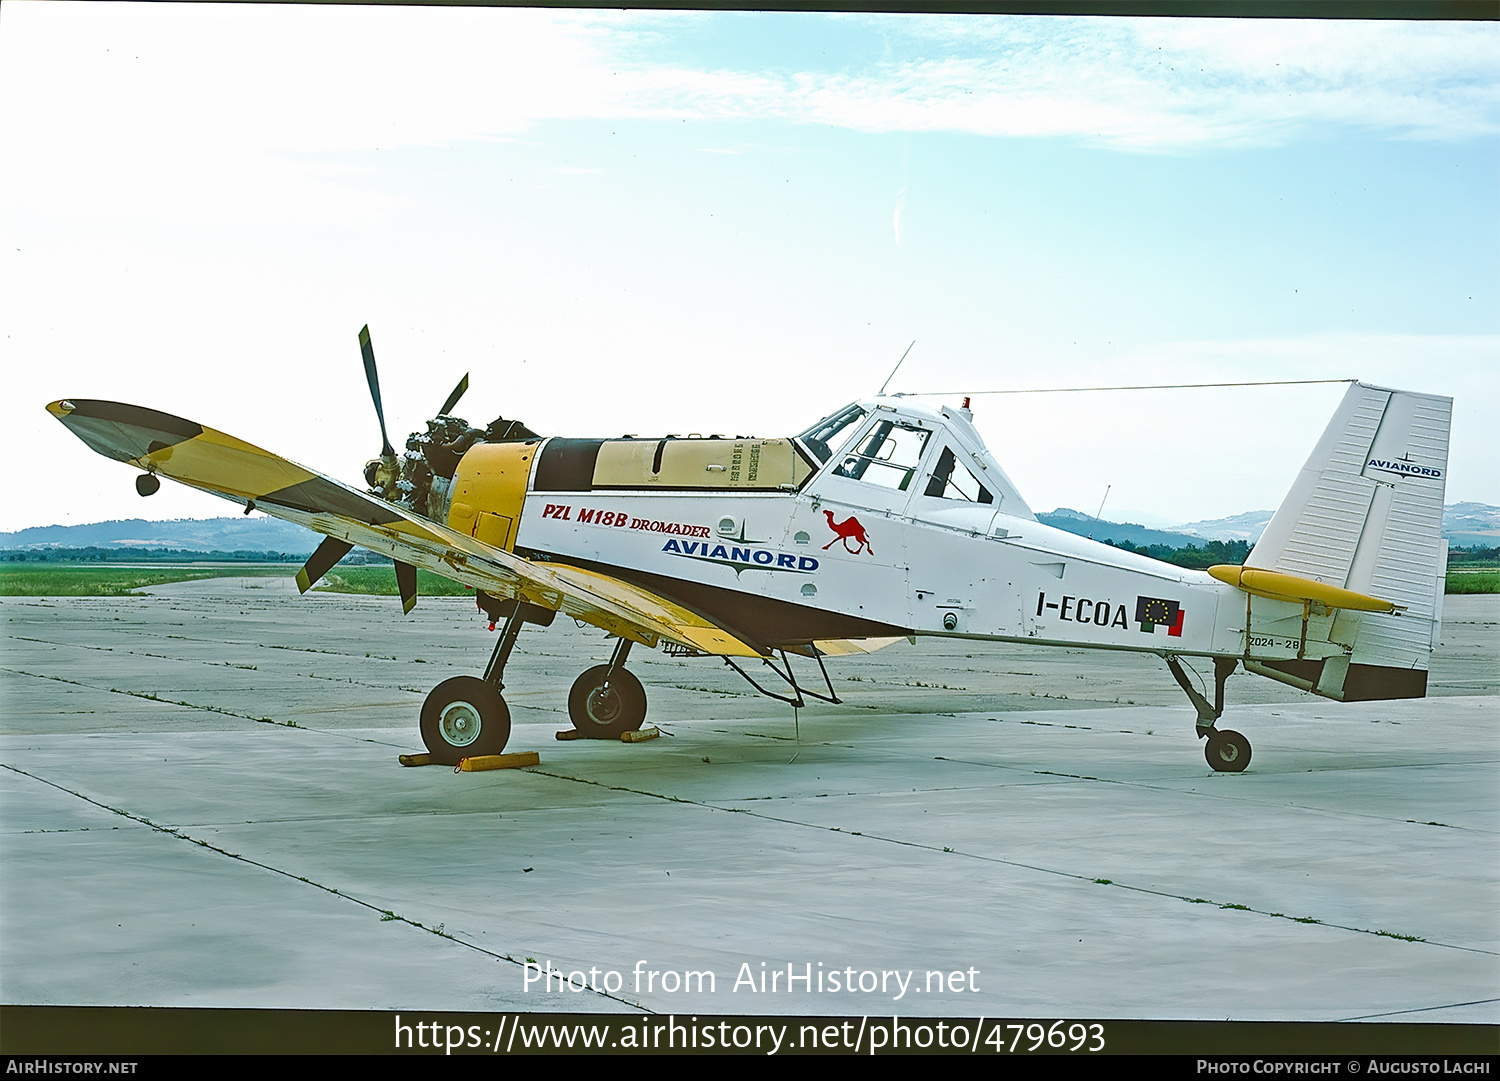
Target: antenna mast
{"type": "Point", "coordinates": [894, 370]}
{"type": "Point", "coordinates": [1101, 509]}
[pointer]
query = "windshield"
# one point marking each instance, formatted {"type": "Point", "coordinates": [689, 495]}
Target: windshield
{"type": "Point", "coordinates": [824, 437]}
{"type": "Point", "coordinates": [887, 456]}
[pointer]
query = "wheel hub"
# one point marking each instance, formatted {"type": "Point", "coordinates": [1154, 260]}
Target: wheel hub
{"type": "Point", "coordinates": [604, 705]}
{"type": "Point", "coordinates": [459, 724]}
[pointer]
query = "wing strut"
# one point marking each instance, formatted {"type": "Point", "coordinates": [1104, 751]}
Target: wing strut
{"type": "Point", "coordinates": [790, 679]}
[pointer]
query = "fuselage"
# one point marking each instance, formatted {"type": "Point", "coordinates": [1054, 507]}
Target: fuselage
{"type": "Point", "coordinates": [884, 519]}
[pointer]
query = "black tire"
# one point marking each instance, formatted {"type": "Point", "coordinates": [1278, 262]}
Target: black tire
{"type": "Point", "coordinates": [606, 714]}
{"type": "Point", "coordinates": [1227, 751]}
{"type": "Point", "coordinates": [464, 717]}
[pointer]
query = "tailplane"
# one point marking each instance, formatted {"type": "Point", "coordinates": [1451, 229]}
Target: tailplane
{"type": "Point", "coordinates": [1366, 514]}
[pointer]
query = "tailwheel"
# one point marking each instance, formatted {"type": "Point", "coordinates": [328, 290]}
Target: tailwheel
{"type": "Point", "coordinates": [1227, 751]}
{"type": "Point", "coordinates": [603, 710]}
{"type": "Point", "coordinates": [464, 717]}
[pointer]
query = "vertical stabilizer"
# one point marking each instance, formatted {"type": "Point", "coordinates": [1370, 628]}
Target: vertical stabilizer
{"type": "Point", "coordinates": [1366, 514]}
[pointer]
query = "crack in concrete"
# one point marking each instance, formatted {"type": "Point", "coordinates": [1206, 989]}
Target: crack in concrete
{"type": "Point", "coordinates": [386, 915]}
{"type": "Point", "coordinates": [942, 850]}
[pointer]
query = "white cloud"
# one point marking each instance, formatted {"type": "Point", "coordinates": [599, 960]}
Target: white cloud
{"type": "Point", "coordinates": [1130, 84]}
{"type": "Point", "coordinates": [185, 108]}
{"type": "Point", "coordinates": [145, 110]}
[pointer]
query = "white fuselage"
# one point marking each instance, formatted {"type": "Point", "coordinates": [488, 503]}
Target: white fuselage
{"type": "Point", "coordinates": [884, 554]}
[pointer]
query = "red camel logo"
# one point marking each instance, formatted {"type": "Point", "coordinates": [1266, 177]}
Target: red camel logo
{"type": "Point", "coordinates": [847, 530]}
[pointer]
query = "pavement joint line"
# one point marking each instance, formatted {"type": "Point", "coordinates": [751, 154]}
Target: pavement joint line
{"type": "Point", "coordinates": [1149, 787]}
{"type": "Point", "coordinates": [942, 850]}
{"type": "Point", "coordinates": [386, 915]}
{"type": "Point", "coordinates": [186, 638]}
{"type": "Point", "coordinates": [1216, 778]}
{"type": "Point", "coordinates": [1421, 1009]}
{"type": "Point", "coordinates": [154, 697]}
{"type": "Point", "coordinates": [1120, 885]}
{"type": "Point", "coordinates": [722, 693]}
{"type": "Point", "coordinates": [134, 653]}
{"type": "Point", "coordinates": [223, 664]}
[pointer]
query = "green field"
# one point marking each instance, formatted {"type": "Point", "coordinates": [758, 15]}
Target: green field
{"type": "Point", "coordinates": [92, 580]}
{"type": "Point", "coordinates": [64, 580]}
{"type": "Point", "coordinates": [381, 581]}
{"type": "Point", "coordinates": [1473, 582]}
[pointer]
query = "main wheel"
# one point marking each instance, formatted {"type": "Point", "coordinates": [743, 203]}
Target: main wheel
{"type": "Point", "coordinates": [1227, 751]}
{"type": "Point", "coordinates": [464, 717]}
{"type": "Point", "coordinates": [601, 712]}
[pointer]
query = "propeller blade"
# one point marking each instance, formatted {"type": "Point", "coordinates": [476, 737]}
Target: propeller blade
{"type": "Point", "coordinates": [321, 562]}
{"type": "Point", "coordinates": [458, 392]}
{"type": "Point", "coordinates": [406, 585]}
{"type": "Point", "coordinates": [373, 378]}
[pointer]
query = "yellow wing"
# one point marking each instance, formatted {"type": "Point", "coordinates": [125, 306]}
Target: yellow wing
{"type": "Point", "coordinates": [225, 466]}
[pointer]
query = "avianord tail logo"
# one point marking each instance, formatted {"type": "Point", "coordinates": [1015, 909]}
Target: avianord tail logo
{"type": "Point", "coordinates": [1405, 469]}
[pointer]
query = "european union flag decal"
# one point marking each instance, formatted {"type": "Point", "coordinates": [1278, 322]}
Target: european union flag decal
{"type": "Point", "coordinates": [1151, 611]}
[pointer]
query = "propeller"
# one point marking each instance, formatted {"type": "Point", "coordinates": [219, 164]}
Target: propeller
{"type": "Point", "coordinates": [458, 392]}
{"type": "Point", "coordinates": [333, 549]}
{"type": "Point", "coordinates": [406, 585]}
{"type": "Point", "coordinates": [373, 378]}
{"type": "Point", "coordinates": [321, 562]}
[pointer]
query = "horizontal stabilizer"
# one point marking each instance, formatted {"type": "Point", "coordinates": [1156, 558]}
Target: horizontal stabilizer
{"type": "Point", "coordinates": [1289, 587]}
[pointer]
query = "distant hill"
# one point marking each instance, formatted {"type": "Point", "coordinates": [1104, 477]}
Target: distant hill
{"type": "Point", "coordinates": [1467, 525]}
{"type": "Point", "coordinates": [1472, 525]}
{"type": "Point", "coordinates": [1464, 524]}
{"type": "Point", "coordinates": [1086, 525]}
{"type": "Point", "coordinates": [254, 533]}
{"type": "Point", "coordinates": [1246, 527]}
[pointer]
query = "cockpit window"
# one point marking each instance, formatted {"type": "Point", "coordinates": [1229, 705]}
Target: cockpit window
{"type": "Point", "coordinates": [952, 480]}
{"type": "Point", "coordinates": [887, 455]}
{"type": "Point", "coordinates": [826, 436]}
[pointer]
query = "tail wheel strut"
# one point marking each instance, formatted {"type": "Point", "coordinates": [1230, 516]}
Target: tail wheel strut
{"type": "Point", "coordinates": [1227, 751]}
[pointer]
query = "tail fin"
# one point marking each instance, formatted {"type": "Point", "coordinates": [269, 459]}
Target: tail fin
{"type": "Point", "coordinates": [1366, 514]}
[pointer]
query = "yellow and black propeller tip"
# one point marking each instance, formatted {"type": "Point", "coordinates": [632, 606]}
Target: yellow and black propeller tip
{"type": "Point", "coordinates": [321, 562]}
{"type": "Point", "coordinates": [406, 585]}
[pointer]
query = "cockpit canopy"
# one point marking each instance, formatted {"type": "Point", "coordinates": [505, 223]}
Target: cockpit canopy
{"type": "Point", "coordinates": [904, 448]}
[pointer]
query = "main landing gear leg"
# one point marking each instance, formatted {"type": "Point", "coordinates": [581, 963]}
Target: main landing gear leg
{"type": "Point", "coordinates": [465, 716]}
{"type": "Point", "coordinates": [607, 701]}
{"type": "Point", "coordinates": [1227, 751]}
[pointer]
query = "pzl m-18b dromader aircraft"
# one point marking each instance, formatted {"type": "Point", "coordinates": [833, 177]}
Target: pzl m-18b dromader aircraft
{"type": "Point", "coordinates": [883, 521]}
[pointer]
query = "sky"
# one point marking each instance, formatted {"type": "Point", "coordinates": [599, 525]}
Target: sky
{"type": "Point", "coordinates": [653, 222]}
